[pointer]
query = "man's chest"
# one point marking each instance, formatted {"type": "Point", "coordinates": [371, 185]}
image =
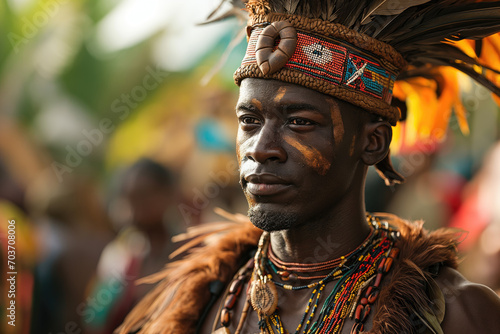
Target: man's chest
{"type": "Point", "coordinates": [297, 312]}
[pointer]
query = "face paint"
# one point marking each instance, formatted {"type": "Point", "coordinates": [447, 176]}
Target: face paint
{"type": "Point", "coordinates": [317, 173]}
{"type": "Point", "coordinates": [257, 104]}
{"type": "Point", "coordinates": [351, 150]}
{"type": "Point", "coordinates": [281, 93]}
{"type": "Point", "coordinates": [238, 154]}
{"type": "Point", "coordinates": [338, 123]}
{"type": "Point", "coordinates": [311, 156]}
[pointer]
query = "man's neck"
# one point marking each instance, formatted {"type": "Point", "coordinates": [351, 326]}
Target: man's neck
{"type": "Point", "coordinates": [323, 239]}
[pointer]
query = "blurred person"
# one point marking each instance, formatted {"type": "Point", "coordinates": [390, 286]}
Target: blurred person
{"type": "Point", "coordinates": [143, 209]}
{"type": "Point", "coordinates": [314, 112]}
{"type": "Point", "coordinates": [479, 215]}
{"type": "Point", "coordinates": [71, 230]}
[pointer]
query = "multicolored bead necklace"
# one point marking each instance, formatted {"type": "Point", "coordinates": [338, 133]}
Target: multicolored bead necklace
{"type": "Point", "coordinates": [288, 270]}
{"type": "Point", "coordinates": [359, 276]}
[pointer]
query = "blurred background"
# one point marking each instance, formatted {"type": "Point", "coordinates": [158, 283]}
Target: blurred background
{"type": "Point", "coordinates": [117, 132]}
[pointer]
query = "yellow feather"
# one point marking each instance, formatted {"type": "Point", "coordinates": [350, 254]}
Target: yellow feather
{"type": "Point", "coordinates": [466, 45]}
{"type": "Point", "coordinates": [490, 56]}
{"type": "Point", "coordinates": [428, 113]}
{"type": "Point", "coordinates": [461, 117]}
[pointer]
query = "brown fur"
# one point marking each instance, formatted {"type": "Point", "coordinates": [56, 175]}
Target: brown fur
{"type": "Point", "coordinates": [404, 292]}
{"type": "Point", "coordinates": [176, 303]}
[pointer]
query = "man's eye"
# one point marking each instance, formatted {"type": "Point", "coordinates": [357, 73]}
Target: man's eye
{"type": "Point", "coordinates": [300, 121]}
{"type": "Point", "coordinates": [249, 120]}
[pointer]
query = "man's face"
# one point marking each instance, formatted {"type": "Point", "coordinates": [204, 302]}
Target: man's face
{"type": "Point", "coordinates": [297, 152]}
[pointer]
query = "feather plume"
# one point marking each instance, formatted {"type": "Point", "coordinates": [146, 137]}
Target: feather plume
{"type": "Point", "coordinates": [182, 291]}
{"type": "Point", "coordinates": [370, 10]}
{"type": "Point", "coordinates": [234, 11]}
{"type": "Point", "coordinates": [328, 12]}
{"type": "Point", "coordinates": [291, 6]}
{"type": "Point", "coordinates": [230, 13]}
{"type": "Point", "coordinates": [211, 15]}
{"type": "Point", "coordinates": [395, 7]}
{"type": "Point", "coordinates": [217, 15]}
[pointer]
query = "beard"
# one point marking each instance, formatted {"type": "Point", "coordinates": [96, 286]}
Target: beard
{"type": "Point", "coordinates": [270, 221]}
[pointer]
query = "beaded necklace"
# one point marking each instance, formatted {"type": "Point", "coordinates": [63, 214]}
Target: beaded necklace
{"type": "Point", "coordinates": [355, 271]}
{"type": "Point", "coordinates": [287, 269]}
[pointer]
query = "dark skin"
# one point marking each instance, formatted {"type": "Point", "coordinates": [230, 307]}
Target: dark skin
{"type": "Point", "coordinates": [294, 163]}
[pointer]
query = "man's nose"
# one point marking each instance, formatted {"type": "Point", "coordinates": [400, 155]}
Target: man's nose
{"type": "Point", "coordinates": [267, 145]}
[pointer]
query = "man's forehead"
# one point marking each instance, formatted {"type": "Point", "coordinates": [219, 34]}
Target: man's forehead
{"type": "Point", "coordinates": [264, 92]}
{"type": "Point", "coordinates": [278, 92]}
{"type": "Point", "coordinates": [257, 85]}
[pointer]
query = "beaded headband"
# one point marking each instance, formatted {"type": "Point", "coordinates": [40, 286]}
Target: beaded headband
{"type": "Point", "coordinates": [323, 56]}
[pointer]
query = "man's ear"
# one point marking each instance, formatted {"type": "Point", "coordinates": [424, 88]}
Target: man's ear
{"type": "Point", "coordinates": [377, 138]}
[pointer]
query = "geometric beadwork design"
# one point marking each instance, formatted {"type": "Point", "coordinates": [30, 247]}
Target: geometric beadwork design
{"type": "Point", "coordinates": [335, 62]}
{"type": "Point", "coordinates": [252, 43]}
{"type": "Point", "coordinates": [320, 59]}
{"type": "Point", "coordinates": [367, 76]}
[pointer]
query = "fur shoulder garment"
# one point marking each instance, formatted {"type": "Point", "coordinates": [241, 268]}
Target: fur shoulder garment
{"type": "Point", "coordinates": [182, 291]}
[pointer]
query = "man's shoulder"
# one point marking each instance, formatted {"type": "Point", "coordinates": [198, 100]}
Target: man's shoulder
{"type": "Point", "coordinates": [470, 307]}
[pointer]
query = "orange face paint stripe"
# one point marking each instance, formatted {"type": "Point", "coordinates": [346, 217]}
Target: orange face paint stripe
{"type": "Point", "coordinates": [338, 123]}
{"type": "Point", "coordinates": [311, 156]}
{"type": "Point", "coordinates": [281, 93]}
{"type": "Point", "coordinates": [257, 104]}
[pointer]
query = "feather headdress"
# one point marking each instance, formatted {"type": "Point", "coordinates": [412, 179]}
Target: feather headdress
{"type": "Point", "coordinates": [422, 31]}
{"type": "Point", "coordinates": [412, 50]}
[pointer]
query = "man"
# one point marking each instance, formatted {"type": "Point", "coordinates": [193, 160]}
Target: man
{"type": "Point", "coordinates": [314, 112]}
{"type": "Point", "coordinates": [147, 190]}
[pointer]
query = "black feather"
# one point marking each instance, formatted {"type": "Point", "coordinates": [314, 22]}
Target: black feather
{"type": "Point", "coordinates": [465, 68]}
{"type": "Point", "coordinates": [450, 25]}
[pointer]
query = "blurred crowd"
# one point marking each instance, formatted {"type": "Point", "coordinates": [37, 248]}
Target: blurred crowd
{"type": "Point", "coordinates": [82, 239]}
{"type": "Point", "coordinates": [108, 150]}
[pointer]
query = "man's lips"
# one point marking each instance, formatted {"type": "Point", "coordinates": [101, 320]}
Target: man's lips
{"type": "Point", "coordinates": [265, 184]}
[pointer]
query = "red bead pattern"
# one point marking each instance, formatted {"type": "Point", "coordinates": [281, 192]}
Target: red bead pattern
{"type": "Point", "coordinates": [334, 61]}
{"type": "Point", "coordinates": [372, 292]}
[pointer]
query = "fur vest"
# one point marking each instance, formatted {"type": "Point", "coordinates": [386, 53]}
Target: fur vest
{"type": "Point", "coordinates": [175, 305]}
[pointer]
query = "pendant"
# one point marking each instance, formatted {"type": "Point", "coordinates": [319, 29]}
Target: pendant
{"type": "Point", "coordinates": [264, 297]}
